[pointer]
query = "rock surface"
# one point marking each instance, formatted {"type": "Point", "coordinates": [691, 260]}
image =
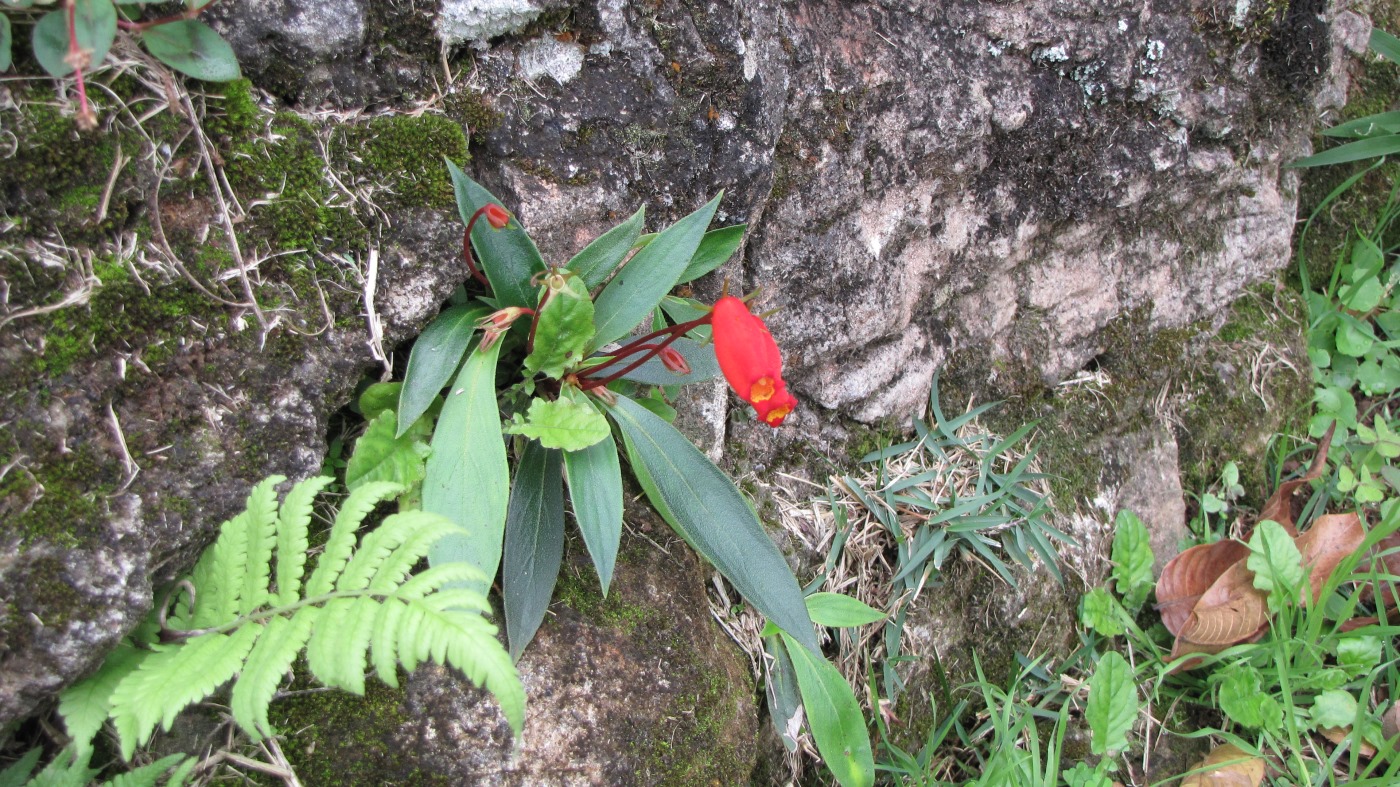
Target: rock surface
{"type": "Point", "coordinates": [923, 184]}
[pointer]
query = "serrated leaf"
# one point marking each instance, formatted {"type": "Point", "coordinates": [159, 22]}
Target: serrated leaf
{"type": "Point", "coordinates": [172, 679]}
{"type": "Point", "coordinates": [467, 478]}
{"type": "Point", "coordinates": [1112, 705]}
{"type": "Point", "coordinates": [563, 423]}
{"type": "Point", "coordinates": [636, 289]}
{"type": "Point", "coordinates": [467, 643]}
{"type": "Point", "coordinates": [381, 456]}
{"type": "Point", "coordinates": [1359, 654]}
{"type": "Point", "coordinates": [192, 48]}
{"type": "Point", "coordinates": [534, 543]}
{"type": "Point", "coordinates": [223, 570]}
{"type": "Point", "coordinates": [715, 249]}
{"type": "Point", "coordinates": [149, 775]}
{"type": "Point", "coordinates": [341, 542]}
{"type": "Point", "coordinates": [293, 520]}
{"type": "Point", "coordinates": [84, 706]}
{"type": "Point", "coordinates": [1132, 560]}
{"type": "Point", "coordinates": [1099, 611]}
{"type": "Point", "coordinates": [507, 256]}
{"type": "Point", "coordinates": [834, 610]}
{"type": "Point", "coordinates": [94, 26]}
{"type": "Point", "coordinates": [595, 490]}
{"type": "Point", "coordinates": [702, 505]}
{"type": "Point", "coordinates": [1276, 562]}
{"type": "Point", "coordinates": [564, 327]}
{"type": "Point", "coordinates": [17, 773]}
{"type": "Point", "coordinates": [435, 358]}
{"type": "Point", "coordinates": [281, 640]}
{"type": "Point", "coordinates": [700, 357]}
{"type": "Point", "coordinates": [261, 515]}
{"type": "Point", "coordinates": [1242, 698]}
{"type": "Point", "coordinates": [601, 257]}
{"type": "Point", "coordinates": [833, 715]}
{"type": "Point", "coordinates": [379, 398]}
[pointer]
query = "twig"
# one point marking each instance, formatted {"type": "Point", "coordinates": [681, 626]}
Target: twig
{"type": "Point", "coordinates": [128, 463]}
{"type": "Point", "coordinates": [118, 162]}
{"type": "Point", "coordinates": [376, 329]}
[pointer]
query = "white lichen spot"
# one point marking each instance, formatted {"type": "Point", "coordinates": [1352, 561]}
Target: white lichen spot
{"type": "Point", "coordinates": [996, 48]}
{"type": "Point", "coordinates": [478, 21]}
{"type": "Point", "coordinates": [1122, 25]}
{"type": "Point", "coordinates": [750, 64]}
{"type": "Point", "coordinates": [547, 57]}
{"type": "Point", "coordinates": [1241, 15]}
{"type": "Point", "coordinates": [1053, 54]}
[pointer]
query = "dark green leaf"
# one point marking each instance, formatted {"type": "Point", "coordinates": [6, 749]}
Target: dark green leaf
{"type": "Point", "coordinates": [1113, 704]}
{"type": "Point", "coordinates": [1385, 45]}
{"type": "Point", "coordinates": [534, 544]}
{"type": "Point", "coordinates": [701, 357]}
{"type": "Point", "coordinates": [1353, 151]}
{"type": "Point", "coordinates": [595, 489]}
{"type": "Point", "coordinates": [704, 507]}
{"type": "Point", "coordinates": [6, 43]}
{"type": "Point", "coordinates": [1132, 560]}
{"type": "Point", "coordinates": [192, 48]}
{"type": "Point", "coordinates": [833, 716]}
{"type": "Point", "coordinates": [784, 701]}
{"type": "Point", "coordinates": [434, 358]}
{"type": "Point", "coordinates": [94, 25]}
{"type": "Point", "coordinates": [636, 289]}
{"type": "Point", "coordinates": [564, 327]}
{"type": "Point", "coordinates": [564, 423]}
{"type": "Point", "coordinates": [508, 256]}
{"type": "Point", "coordinates": [1369, 126]}
{"type": "Point", "coordinates": [601, 257]}
{"type": "Point", "coordinates": [467, 478]}
{"type": "Point", "coordinates": [834, 610]}
{"type": "Point", "coordinates": [715, 249]}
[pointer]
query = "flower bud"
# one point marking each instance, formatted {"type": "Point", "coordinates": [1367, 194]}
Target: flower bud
{"type": "Point", "coordinates": [674, 361]}
{"type": "Point", "coordinates": [496, 216]}
{"type": "Point", "coordinates": [750, 360]}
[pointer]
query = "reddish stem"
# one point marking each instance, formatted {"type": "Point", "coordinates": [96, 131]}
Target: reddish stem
{"type": "Point", "coordinates": [535, 321]}
{"type": "Point", "coordinates": [467, 249]}
{"type": "Point", "coordinates": [86, 119]}
{"type": "Point", "coordinates": [188, 13]}
{"type": "Point", "coordinates": [640, 345]}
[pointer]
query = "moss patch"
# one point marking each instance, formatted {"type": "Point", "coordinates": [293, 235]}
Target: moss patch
{"type": "Point", "coordinates": [403, 155]}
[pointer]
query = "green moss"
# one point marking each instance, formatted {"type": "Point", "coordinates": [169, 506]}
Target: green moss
{"type": "Point", "coordinates": [339, 738]}
{"type": "Point", "coordinates": [234, 114]}
{"type": "Point", "coordinates": [471, 111]}
{"type": "Point", "coordinates": [578, 589]}
{"type": "Point", "coordinates": [62, 502]}
{"type": "Point", "coordinates": [403, 155]}
{"type": "Point", "coordinates": [692, 756]}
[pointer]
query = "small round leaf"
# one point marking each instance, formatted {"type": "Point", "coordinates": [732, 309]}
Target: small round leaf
{"type": "Point", "coordinates": [194, 48]}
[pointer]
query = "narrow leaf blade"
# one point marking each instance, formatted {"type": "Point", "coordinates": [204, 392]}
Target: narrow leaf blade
{"type": "Point", "coordinates": [508, 256]}
{"type": "Point", "coordinates": [834, 717]}
{"type": "Point", "coordinates": [595, 489]}
{"type": "Point", "coordinates": [534, 544]}
{"type": "Point", "coordinates": [433, 360]}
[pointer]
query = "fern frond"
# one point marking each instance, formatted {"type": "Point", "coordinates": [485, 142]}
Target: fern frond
{"type": "Point", "coordinates": [293, 522]}
{"type": "Point", "coordinates": [173, 678]}
{"type": "Point", "coordinates": [464, 641]}
{"type": "Point", "coordinates": [375, 547]}
{"type": "Point", "coordinates": [221, 581]}
{"type": "Point", "coordinates": [342, 539]}
{"type": "Point", "coordinates": [384, 640]}
{"type": "Point", "coordinates": [261, 538]}
{"type": "Point", "coordinates": [84, 705]}
{"type": "Point", "coordinates": [336, 652]}
{"type": "Point", "coordinates": [395, 569]}
{"type": "Point", "coordinates": [149, 775]}
{"type": "Point", "coordinates": [436, 577]}
{"type": "Point", "coordinates": [278, 646]}
{"type": "Point", "coordinates": [68, 769]}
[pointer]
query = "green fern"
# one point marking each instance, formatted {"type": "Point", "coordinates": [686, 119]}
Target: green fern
{"type": "Point", "coordinates": [232, 621]}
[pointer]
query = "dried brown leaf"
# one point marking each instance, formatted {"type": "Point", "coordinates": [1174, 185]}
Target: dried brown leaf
{"type": "Point", "coordinates": [1279, 507]}
{"type": "Point", "coordinates": [1330, 540]}
{"type": "Point", "coordinates": [1189, 575]}
{"type": "Point", "coordinates": [1338, 735]}
{"type": "Point", "coordinates": [1226, 766]}
{"type": "Point", "coordinates": [1390, 723]}
{"type": "Point", "coordinates": [1231, 611]}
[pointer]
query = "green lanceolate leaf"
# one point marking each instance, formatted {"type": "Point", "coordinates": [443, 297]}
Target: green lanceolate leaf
{"type": "Point", "coordinates": [534, 544]}
{"type": "Point", "coordinates": [564, 328]}
{"type": "Point", "coordinates": [784, 700]}
{"type": "Point", "coordinates": [1385, 45]}
{"type": "Point", "coordinates": [1113, 704]}
{"type": "Point", "coordinates": [833, 716]}
{"type": "Point", "coordinates": [834, 610]}
{"type": "Point", "coordinates": [595, 489]}
{"type": "Point", "coordinates": [715, 249]}
{"type": "Point", "coordinates": [701, 357]}
{"type": "Point", "coordinates": [564, 423]}
{"type": "Point", "coordinates": [467, 479]}
{"type": "Point", "coordinates": [601, 257]}
{"type": "Point", "coordinates": [1353, 151]}
{"type": "Point", "coordinates": [1369, 126]}
{"type": "Point", "coordinates": [434, 359]}
{"type": "Point", "coordinates": [1132, 560]}
{"type": "Point", "coordinates": [700, 502]}
{"type": "Point", "coordinates": [192, 48]}
{"type": "Point", "coordinates": [380, 456]}
{"type": "Point", "coordinates": [507, 256]}
{"type": "Point", "coordinates": [94, 25]}
{"type": "Point", "coordinates": [641, 284]}
{"type": "Point", "coordinates": [6, 43]}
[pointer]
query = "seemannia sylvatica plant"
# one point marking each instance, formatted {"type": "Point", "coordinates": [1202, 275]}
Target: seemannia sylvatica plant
{"type": "Point", "coordinates": [545, 379]}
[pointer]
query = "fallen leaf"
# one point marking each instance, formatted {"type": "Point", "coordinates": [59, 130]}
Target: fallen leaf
{"type": "Point", "coordinates": [1189, 575]}
{"type": "Point", "coordinates": [1390, 723]}
{"type": "Point", "coordinates": [1327, 543]}
{"type": "Point", "coordinates": [1226, 766]}
{"type": "Point", "coordinates": [1339, 735]}
{"type": "Point", "coordinates": [1280, 506]}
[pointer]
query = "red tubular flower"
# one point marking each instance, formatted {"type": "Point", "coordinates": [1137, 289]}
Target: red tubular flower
{"type": "Point", "coordinates": [496, 216]}
{"type": "Point", "coordinates": [749, 358]}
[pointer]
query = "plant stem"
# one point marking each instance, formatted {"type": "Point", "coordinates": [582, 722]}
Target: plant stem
{"type": "Point", "coordinates": [641, 345]}
{"type": "Point", "coordinates": [266, 614]}
{"type": "Point", "coordinates": [188, 13]}
{"type": "Point", "coordinates": [467, 248]}
{"type": "Point", "coordinates": [86, 119]}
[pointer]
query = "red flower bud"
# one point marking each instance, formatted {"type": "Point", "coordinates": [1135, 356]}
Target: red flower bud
{"type": "Point", "coordinates": [496, 216]}
{"type": "Point", "coordinates": [750, 360]}
{"type": "Point", "coordinates": [674, 361]}
{"type": "Point", "coordinates": [495, 324]}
